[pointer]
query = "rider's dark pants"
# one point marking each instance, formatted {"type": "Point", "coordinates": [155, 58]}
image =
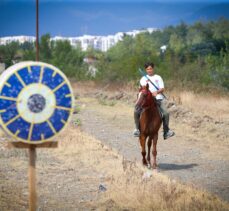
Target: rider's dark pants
{"type": "Point", "coordinates": [137, 113]}
{"type": "Point", "coordinates": [163, 110]}
{"type": "Point", "coordinates": [165, 115]}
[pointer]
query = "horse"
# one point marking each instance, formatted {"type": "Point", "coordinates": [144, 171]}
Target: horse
{"type": "Point", "coordinates": [150, 123]}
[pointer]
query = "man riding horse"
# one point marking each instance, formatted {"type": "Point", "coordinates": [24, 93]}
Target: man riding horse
{"type": "Point", "coordinates": [156, 87]}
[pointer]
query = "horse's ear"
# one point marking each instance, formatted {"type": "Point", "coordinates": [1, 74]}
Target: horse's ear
{"type": "Point", "coordinates": [147, 86]}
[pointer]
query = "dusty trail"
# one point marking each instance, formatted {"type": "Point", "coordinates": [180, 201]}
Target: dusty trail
{"type": "Point", "coordinates": [192, 156]}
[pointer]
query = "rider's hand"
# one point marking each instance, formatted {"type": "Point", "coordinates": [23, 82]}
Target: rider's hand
{"type": "Point", "coordinates": [154, 94]}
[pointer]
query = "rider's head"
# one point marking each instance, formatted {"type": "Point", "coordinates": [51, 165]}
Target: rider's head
{"type": "Point", "coordinates": [149, 67]}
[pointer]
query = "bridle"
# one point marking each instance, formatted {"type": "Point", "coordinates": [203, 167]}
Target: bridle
{"type": "Point", "coordinates": [145, 98]}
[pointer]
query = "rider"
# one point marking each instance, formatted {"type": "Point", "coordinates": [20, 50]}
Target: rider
{"type": "Point", "coordinates": [157, 80]}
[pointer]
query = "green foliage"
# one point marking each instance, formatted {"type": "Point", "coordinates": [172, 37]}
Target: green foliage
{"type": "Point", "coordinates": [221, 29]}
{"type": "Point", "coordinates": [77, 122]}
{"type": "Point", "coordinates": [9, 52]}
{"type": "Point", "coordinates": [45, 49]}
{"type": "Point", "coordinates": [106, 102]}
{"type": "Point", "coordinates": [197, 53]}
{"type": "Point", "coordinates": [219, 68]}
{"type": "Point", "coordinates": [121, 61]}
{"type": "Point", "coordinates": [176, 43]}
{"type": "Point", "coordinates": [60, 54]}
{"type": "Point", "coordinates": [28, 51]}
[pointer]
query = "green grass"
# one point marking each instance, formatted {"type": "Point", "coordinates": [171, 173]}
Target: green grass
{"type": "Point", "coordinates": [106, 102]}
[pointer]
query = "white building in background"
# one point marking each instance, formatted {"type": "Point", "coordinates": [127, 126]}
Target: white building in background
{"type": "Point", "coordinates": [57, 38]}
{"type": "Point", "coordinates": [87, 41]}
{"type": "Point", "coordinates": [98, 43]}
{"type": "Point", "coordinates": [102, 43]}
{"type": "Point", "coordinates": [20, 39]}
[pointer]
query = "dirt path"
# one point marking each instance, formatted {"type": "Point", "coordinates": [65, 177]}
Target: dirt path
{"type": "Point", "coordinates": [198, 154]}
{"type": "Point", "coordinates": [88, 173]}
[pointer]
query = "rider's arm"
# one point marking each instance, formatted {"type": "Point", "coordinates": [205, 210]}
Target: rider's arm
{"type": "Point", "coordinates": [161, 85]}
{"type": "Point", "coordinates": [160, 90]}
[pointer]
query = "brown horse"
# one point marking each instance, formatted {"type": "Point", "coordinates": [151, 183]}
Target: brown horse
{"type": "Point", "coordinates": [150, 123]}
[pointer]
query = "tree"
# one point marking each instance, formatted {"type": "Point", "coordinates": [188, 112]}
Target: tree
{"type": "Point", "coordinates": [45, 48]}
{"type": "Point", "coordinates": [8, 53]}
{"type": "Point", "coordinates": [68, 59]}
{"type": "Point", "coordinates": [221, 29]}
{"type": "Point", "coordinates": [176, 43]}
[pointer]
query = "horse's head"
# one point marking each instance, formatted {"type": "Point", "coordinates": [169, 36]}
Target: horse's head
{"type": "Point", "coordinates": [145, 98]}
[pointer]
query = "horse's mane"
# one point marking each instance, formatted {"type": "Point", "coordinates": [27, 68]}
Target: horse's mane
{"type": "Point", "coordinates": [149, 100]}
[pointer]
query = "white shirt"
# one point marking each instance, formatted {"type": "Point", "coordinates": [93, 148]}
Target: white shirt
{"type": "Point", "coordinates": [157, 80]}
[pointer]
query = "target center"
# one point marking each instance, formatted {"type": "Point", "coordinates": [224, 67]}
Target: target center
{"type": "Point", "coordinates": [36, 103]}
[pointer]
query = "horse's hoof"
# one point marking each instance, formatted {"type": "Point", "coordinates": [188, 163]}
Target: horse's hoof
{"type": "Point", "coordinates": [154, 166]}
{"type": "Point", "coordinates": [148, 166]}
{"type": "Point", "coordinates": [144, 162]}
{"type": "Point", "coordinates": [155, 170]}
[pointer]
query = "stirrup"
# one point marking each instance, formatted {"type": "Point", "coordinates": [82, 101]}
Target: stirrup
{"type": "Point", "coordinates": [136, 133]}
{"type": "Point", "coordinates": [169, 134]}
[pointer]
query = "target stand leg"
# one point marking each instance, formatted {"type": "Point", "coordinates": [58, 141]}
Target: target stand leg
{"type": "Point", "coordinates": [32, 178]}
{"type": "Point", "coordinates": [32, 167]}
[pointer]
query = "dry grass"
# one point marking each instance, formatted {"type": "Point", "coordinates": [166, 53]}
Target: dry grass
{"type": "Point", "coordinates": [86, 163]}
{"type": "Point", "coordinates": [216, 107]}
{"type": "Point", "coordinates": [131, 186]}
{"type": "Point", "coordinates": [159, 193]}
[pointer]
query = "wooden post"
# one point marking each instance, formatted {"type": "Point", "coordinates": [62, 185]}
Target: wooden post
{"type": "Point", "coordinates": [37, 30]}
{"type": "Point", "coordinates": [32, 167]}
{"type": "Point", "coordinates": [32, 178]}
{"type": "Point", "coordinates": [32, 149]}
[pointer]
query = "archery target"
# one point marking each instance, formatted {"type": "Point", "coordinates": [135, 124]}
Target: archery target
{"type": "Point", "coordinates": [36, 101]}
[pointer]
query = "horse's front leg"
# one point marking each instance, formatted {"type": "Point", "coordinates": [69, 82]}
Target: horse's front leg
{"type": "Point", "coordinates": [155, 138]}
{"type": "Point", "coordinates": [148, 155]}
{"type": "Point", "coordinates": [143, 143]}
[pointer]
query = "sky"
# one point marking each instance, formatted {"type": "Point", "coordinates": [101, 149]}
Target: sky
{"type": "Point", "coordinates": [107, 1]}
{"type": "Point", "coordinates": [102, 17]}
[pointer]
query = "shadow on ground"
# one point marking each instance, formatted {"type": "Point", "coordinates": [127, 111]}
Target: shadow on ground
{"type": "Point", "coordinates": [169, 166]}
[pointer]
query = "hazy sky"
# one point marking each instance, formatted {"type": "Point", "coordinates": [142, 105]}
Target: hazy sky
{"type": "Point", "coordinates": [120, 1]}
{"type": "Point", "coordinates": [77, 17]}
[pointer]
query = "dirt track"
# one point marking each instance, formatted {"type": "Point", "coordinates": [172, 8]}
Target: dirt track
{"type": "Point", "coordinates": [70, 177]}
{"type": "Point", "coordinates": [197, 155]}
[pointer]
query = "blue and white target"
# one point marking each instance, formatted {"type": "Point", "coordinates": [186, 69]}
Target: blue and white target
{"type": "Point", "coordinates": [36, 101]}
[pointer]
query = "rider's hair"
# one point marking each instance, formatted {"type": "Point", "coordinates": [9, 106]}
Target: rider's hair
{"type": "Point", "coordinates": [147, 64]}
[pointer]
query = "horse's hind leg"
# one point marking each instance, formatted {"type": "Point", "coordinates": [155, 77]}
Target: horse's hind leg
{"type": "Point", "coordinates": [155, 138]}
{"type": "Point", "coordinates": [148, 155]}
{"type": "Point", "coordinates": [143, 143]}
